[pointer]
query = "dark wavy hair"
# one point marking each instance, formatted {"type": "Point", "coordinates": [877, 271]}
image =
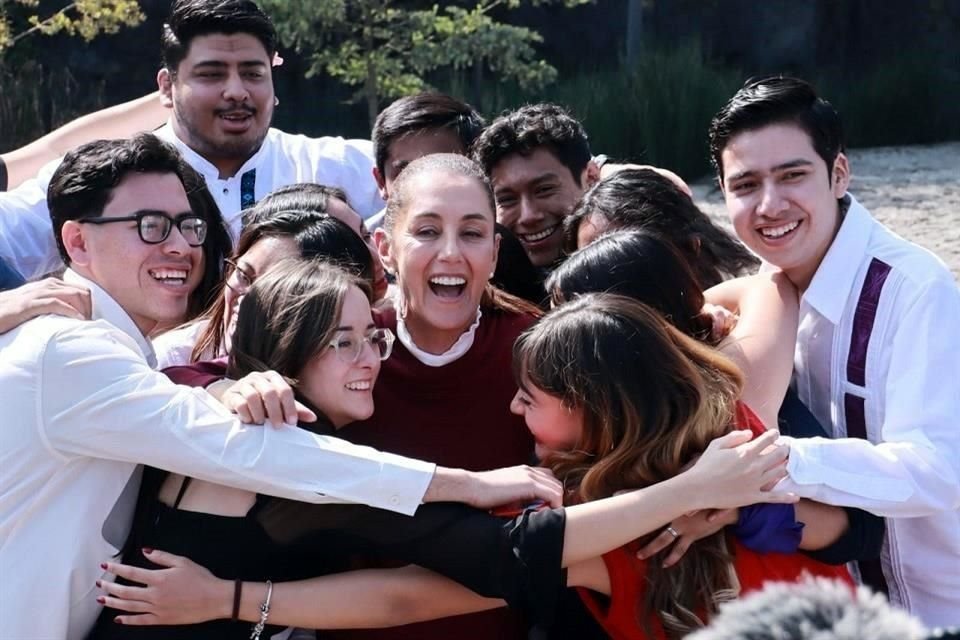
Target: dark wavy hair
{"type": "Point", "coordinates": [316, 235]}
{"type": "Point", "coordinates": [288, 316]}
{"type": "Point", "coordinates": [529, 128]}
{"type": "Point", "coordinates": [642, 198]}
{"type": "Point", "coordinates": [652, 399]}
{"type": "Point", "coordinates": [641, 265]}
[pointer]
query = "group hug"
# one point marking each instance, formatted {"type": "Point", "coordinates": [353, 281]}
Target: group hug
{"type": "Point", "coordinates": [465, 380]}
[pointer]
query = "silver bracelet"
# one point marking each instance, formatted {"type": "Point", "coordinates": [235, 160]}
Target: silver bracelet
{"type": "Point", "coordinates": [264, 614]}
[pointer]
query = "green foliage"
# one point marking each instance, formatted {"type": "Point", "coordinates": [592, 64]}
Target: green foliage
{"type": "Point", "coordinates": [655, 113]}
{"type": "Point", "coordinates": [909, 100]}
{"type": "Point", "coordinates": [86, 18]}
{"type": "Point", "coordinates": [388, 52]}
{"type": "Point", "coordinates": [659, 111]}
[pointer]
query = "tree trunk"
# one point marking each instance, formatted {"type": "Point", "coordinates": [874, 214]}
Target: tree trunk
{"type": "Point", "coordinates": [634, 31]}
{"type": "Point", "coordinates": [476, 85]}
{"type": "Point", "coordinates": [370, 91]}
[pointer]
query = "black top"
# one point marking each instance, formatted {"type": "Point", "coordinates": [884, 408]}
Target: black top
{"type": "Point", "coordinates": [230, 547]}
{"type": "Point", "coordinates": [515, 559]}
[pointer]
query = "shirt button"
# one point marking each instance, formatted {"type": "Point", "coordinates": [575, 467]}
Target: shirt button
{"type": "Point", "coordinates": [226, 190]}
{"type": "Point", "coordinates": [394, 500]}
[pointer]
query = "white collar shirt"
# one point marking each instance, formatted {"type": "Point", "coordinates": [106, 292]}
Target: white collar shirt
{"type": "Point", "coordinates": [899, 377]}
{"type": "Point", "coordinates": [28, 246]}
{"type": "Point", "coordinates": [283, 159]}
{"type": "Point", "coordinates": [82, 407]}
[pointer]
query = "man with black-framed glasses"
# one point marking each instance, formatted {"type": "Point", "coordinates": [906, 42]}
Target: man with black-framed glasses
{"type": "Point", "coordinates": [154, 226]}
{"type": "Point", "coordinates": [83, 406]}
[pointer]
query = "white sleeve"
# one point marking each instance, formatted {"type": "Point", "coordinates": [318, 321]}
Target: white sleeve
{"type": "Point", "coordinates": [99, 399]}
{"type": "Point", "coordinates": [352, 171]}
{"type": "Point", "coordinates": [915, 471]}
{"type": "Point", "coordinates": [26, 234]}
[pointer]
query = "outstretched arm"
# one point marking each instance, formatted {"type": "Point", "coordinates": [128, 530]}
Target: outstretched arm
{"type": "Point", "coordinates": [185, 593]}
{"type": "Point", "coordinates": [726, 475]}
{"type": "Point", "coordinates": [142, 114]}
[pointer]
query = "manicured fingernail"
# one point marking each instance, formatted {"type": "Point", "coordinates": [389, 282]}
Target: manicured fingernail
{"type": "Point", "coordinates": [118, 620]}
{"type": "Point", "coordinates": [147, 551]}
{"type": "Point", "coordinates": [101, 600]}
{"type": "Point", "coordinates": [103, 565]}
{"type": "Point", "coordinates": [98, 584]}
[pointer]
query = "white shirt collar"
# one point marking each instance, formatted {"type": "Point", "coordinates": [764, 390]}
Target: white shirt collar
{"type": "Point", "coordinates": [104, 307]}
{"type": "Point", "coordinates": [201, 164]}
{"type": "Point", "coordinates": [834, 278]}
{"type": "Point", "coordinates": [459, 348]}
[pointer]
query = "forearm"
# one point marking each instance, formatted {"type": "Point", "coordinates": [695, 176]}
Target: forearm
{"type": "Point", "coordinates": [862, 540]}
{"type": "Point", "coordinates": [597, 527]}
{"type": "Point", "coordinates": [448, 485]}
{"type": "Point", "coordinates": [389, 597]}
{"type": "Point", "coordinates": [823, 524]}
{"type": "Point", "coordinates": [142, 114]}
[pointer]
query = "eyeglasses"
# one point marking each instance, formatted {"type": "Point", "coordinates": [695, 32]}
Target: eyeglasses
{"type": "Point", "coordinates": [154, 226]}
{"type": "Point", "coordinates": [237, 279]}
{"type": "Point", "coordinates": [349, 346]}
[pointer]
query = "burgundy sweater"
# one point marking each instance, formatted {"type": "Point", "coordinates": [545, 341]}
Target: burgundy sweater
{"type": "Point", "coordinates": [457, 415]}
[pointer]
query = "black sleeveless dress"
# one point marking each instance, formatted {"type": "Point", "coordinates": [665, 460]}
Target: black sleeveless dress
{"type": "Point", "coordinates": [230, 547]}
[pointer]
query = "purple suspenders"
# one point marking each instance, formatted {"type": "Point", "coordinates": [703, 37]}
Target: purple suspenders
{"type": "Point", "coordinates": [853, 405]}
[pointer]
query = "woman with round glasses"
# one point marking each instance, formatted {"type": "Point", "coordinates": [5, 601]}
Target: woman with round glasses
{"type": "Point", "coordinates": [291, 222]}
{"type": "Point", "coordinates": [310, 322]}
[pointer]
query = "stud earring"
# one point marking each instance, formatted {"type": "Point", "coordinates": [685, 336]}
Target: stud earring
{"type": "Point", "coordinates": [276, 101]}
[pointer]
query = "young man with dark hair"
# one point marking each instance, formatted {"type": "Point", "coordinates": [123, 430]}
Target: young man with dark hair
{"type": "Point", "coordinates": [539, 161]}
{"type": "Point", "coordinates": [217, 77]}
{"type": "Point", "coordinates": [877, 355]}
{"type": "Point", "coordinates": [84, 406]}
{"type": "Point", "coordinates": [417, 126]}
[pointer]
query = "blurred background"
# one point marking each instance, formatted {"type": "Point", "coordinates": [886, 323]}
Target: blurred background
{"type": "Point", "coordinates": [644, 76]}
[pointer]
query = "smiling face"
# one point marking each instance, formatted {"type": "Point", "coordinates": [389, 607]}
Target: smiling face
{"type": "Point", "coordinates": [343, 391]}
{"type": "Point", "coordinates": [264, 253]}
{"type": "Point", "coordinates": [534, 194]}
{"type": "Point", "coordinates": [554, 426]}
{"type": "Point", "coordinates": [782, 199]}
{"type": "Point", "coordinates": [222, 98]}
{"type": "Point", "coordinates": [443, 249]}
{"type": "Point", "coordinates": [152, 282]}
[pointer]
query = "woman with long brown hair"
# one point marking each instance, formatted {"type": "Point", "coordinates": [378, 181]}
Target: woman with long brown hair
{"type": "Point", "coordinates": [618, 399]}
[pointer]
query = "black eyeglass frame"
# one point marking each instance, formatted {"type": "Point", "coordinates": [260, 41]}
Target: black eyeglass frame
{"type": "Point", "coordinates": [171, 221]}
{"type": "Point", "coordinates": [230, 268]}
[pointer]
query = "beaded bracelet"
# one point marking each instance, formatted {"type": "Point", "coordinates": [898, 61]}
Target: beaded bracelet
{"type": "Point", "coordinates": [264, 614]}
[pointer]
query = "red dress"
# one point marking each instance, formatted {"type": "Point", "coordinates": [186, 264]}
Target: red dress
{"type": "Point", "coordinates": [618, 614]}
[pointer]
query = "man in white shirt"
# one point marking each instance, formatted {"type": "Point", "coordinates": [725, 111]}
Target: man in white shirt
{"type": "Point", "coordinates": [878, 351]}
{"type": "Point", "coordinates": [217, 78]}
{"type": "Point", "coordinates": [83, 406]}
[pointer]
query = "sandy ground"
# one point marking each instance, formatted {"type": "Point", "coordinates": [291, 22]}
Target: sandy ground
{"type": "Point", "coordinates": [913, 190]}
